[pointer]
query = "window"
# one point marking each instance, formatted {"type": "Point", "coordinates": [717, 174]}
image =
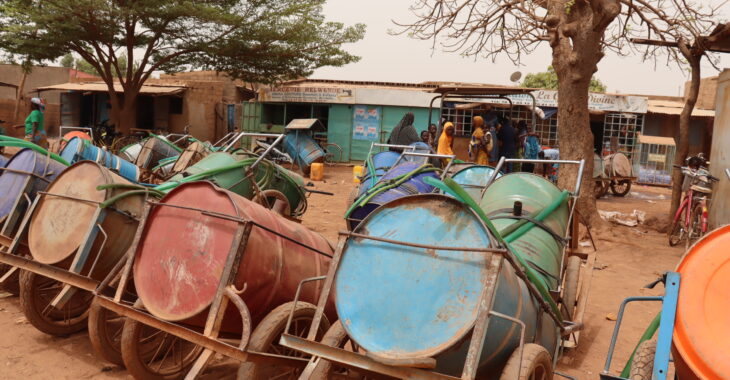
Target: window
{"type": "Point", "coordinates": [461, 119]}
{"type": "Point", "coordinates": [273, 114]}
{"type": "Point", "coordinates": [620, 133]}
{"type": "Point", "coordinates": [176, 105]}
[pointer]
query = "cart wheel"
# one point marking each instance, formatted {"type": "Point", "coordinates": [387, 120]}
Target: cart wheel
{"type": "Point", "coordinates": [570, 294]}
{"type": "Point", "coordinates": [621, 188]}
{"type": "Point", "coordinates": [105, 333]}
{"type": "Point", "coordinates": [536, 364]}
{"type": "Point", "coordinates": [677, 233]}
{"type": "Point", "coordinates": [151, 354]}
{"type": "Point", "coordinates": [600, 189]}
{"type": "Point", "coordinates": [336, 337]}
{"type": "Point", "coordinates": [36, 294]}
{"type": "Point", "coordinates": [12, 285]}
{"type": "Point", "coordinates": [642, 365]}
{"type": "Point", "coordinates": [275, 201]}
{"type": "Point", "coordinates": [265, 338]}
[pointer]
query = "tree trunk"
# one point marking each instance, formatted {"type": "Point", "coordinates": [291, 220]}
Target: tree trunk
{"type": "Point", "coordinates": [685, 119]}
{"type": "Point", "coordinates": [19, 96]}
{"type": "Point", "coordinates": [123, 113]}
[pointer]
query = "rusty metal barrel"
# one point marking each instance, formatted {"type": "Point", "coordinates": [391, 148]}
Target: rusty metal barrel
{"type": "Point", "coordinates": [64, 216]}
{"type": "Point", "coordinates": [183, 250]}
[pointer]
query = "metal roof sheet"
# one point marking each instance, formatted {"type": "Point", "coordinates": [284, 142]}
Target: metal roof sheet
{"type": "Point", "coordinates": [102, 87]}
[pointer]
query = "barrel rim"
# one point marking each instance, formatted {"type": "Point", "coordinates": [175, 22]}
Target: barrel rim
{"type": "Point", "coordinates": [151, 308]}
{"type": "Point", "coordinates": [461, 333]}
{"type": "Point", "coordinates": [681, 341]}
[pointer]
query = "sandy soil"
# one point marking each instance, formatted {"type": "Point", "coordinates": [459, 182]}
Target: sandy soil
{"type": "Point", "coordinates": [626, 261]}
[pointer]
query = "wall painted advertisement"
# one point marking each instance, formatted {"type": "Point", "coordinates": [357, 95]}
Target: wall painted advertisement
{"type": "Point", "coordinates": [366, 123]}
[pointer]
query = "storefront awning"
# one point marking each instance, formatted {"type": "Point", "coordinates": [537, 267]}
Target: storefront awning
{"type": "Point", "coordinates": [150, 90]}
{"type": "Point", "coordinates": [668, 107]}
{"type": "Point", "coordinates": [658, 140]}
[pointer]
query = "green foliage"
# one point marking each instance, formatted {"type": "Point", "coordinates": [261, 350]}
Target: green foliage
{"type": "Point", "coordinates": [549, 80]}
{"type": "Point", "coordinates": [67, 61]}
{"type": "Point", "coordinates": [84, 66]}
{"type": "Point", "coordinates": [254, 40]}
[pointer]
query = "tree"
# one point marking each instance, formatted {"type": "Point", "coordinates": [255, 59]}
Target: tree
{"type": "Point", "coordinates": [549, 80]}
{"type": "Point", "coordinates": [683, 32]}
{"type": "Point", "coordinates": [578, 32]}
{"type": "Point", "coordinates": [85, 67]}
{"type": "Point", "coordinates": [67, 61]}
{"type": "Point", "coordinates": [260, 41]}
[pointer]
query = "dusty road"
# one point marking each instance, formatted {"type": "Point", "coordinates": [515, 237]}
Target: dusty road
{"type": "Point", "coordinates": [626, 261]}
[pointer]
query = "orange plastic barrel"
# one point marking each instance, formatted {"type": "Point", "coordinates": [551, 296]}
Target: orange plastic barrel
{"type": "Point", "coordinates": [701, 341]}
{"type": "Point", "coordinates": [182, 253]}
{"type": "Point", "coordinates": [72, 134]}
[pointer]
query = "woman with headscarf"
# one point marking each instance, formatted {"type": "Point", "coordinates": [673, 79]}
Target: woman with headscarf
{"type": "Point", "coordinates": [404, 133]}
{"type": "Point", "coordinates": [34, 126]}
{"type": "Point", "coordinates": [446, 141]}
{"type": "Point", "coordinates": [479, 147]}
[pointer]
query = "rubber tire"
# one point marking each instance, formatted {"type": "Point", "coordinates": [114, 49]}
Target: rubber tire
{"type": "Point", "coordinates": [269, 330]}
{"type": "Point", "coordinates": [28, 283]}
{"type": "Point", "coordinates": [133, 359]}
{"type": "Point", "coordinates": [676, 229]}
{"type": "Point", "coordinates": [623, 192]}
{"type": "Point", "coordinates": [692, 235]}
{"type": "Point", "coordinates": [102, 343]}
{"type": "Point", "coordinates": [570, 291]}
{"type": "Point", "coordinates": [336, 336]}
{"type": "Point", "coordinates": [534, 357]}
{"type": "Point", "coordinates": [600, 189]}
{"type": "Point", "coordinates": [642, 365]}
{"type": "Point", "coordinates": [278, 196]}
{"type": "Point", "coordinates": [12, 286]}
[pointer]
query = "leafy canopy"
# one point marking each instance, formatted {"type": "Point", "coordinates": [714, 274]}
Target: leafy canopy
{"type": "Point", "coordinates": [549, 80]}
{"type": "Point", "coordinates": [256, 40]}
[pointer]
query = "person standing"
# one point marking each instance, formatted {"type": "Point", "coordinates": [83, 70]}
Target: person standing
{"type": "Point", "coordinates": [34, 124]}
{"type": "Point", "coordinates": [404, 133]}
{"type": "Point", "coordinates": [446, 141]}
{"type": "Point", "coordinates": [531, 150]}
{"type": "Point", "coordinates": [433, 138]}
{"type": "Point", "coordinates": [508, 142]}
{"type": "Point", "coordinates": [478, 147]}
{"type": "Point", "coordinates": [492, 143]}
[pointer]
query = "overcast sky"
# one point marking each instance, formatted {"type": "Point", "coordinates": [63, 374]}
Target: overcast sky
{"type": "Point", "coordinates": [401, 59]}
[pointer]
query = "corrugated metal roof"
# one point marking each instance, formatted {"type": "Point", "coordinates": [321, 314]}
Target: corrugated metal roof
{"type": "Point", "coordinates": [482, 90]}
{"type": "Point", "coordinates": [668, 107]}
{"type": "Point", "coordinates": [644, 139]}
{"type": "Point", "coordinates": [350, 83]}
{"type": "Point", "coordinates": [102, 87]}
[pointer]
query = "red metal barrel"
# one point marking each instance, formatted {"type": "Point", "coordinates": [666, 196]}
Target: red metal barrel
{"type": "Point", "coordinates": [182, 253]}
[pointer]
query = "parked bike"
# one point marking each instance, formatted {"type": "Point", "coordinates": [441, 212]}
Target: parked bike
{"type": "Point", "coordinates": [690, 220]}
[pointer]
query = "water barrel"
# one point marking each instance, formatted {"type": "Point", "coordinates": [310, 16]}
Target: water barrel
{"type": "Point", "coordinates": [303, 149]}
{"type": "Point", "coordinates": [28, 173]}
{"type": "Point", "coordinates": [131, 151]}
{"type": "Point", "coordinates": [617, 164]}
{"type": "Point", "coordinates": [414, 185]}
{"type": "Point", "coordinates": [381, 163]}
{"type": "Point", "coordinates": [78, 150]}
{"type": "Point", "coordinates": [68, 136]}
{"type": "Point", "coordinates": [191, 155]}
{"type": "Point", "coordinates": [182, 253]}
{"type": "Point", "coordinates": [59, 225]}
{"type": "Point", "coordinates": [701, 339]}
{"type": "Point", "coordinates": [411, 303]}
{"type": "Point", "coordinates": [536, 193]}
{"type": "Point", "coordinates": [473, 178]}
{"type": "Point", "coordinates": [155, 149]}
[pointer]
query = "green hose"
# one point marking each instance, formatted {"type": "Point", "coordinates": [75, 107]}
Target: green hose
{"type": "Point", "coordinates": [450, 186]}
{"type": "Point", "coordinates": [262, 183]}
{"type": "Point", "coordinates": [648, 334]}
{"type": "Point", "coordinates": [123, 195]}
{"type": "Point", "coordinates": [127, 186]}
{"type": "Point", "coordinates": [20, 143]}
{"type": "Point", "coordinates": [516, 230]}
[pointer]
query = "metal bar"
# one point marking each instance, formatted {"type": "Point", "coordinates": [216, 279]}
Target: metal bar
{"type": "Point", "coordinates": [430, 155]}
{"type": "Point", "coordinates": [266, 152]}
{"type": "Point", "coordinates": [70, 197]}
{"type": "Point", "coordinates": [494, 175]}
{"type": "Point", "coordinates": [355, 360]}
{"type": "Point", "coordinates": [326, 289]}
{"type": "Point", "coordinates": [26, 173]}
{"type": "Point", "coordinates": [197, 338]}
{"type": "Point", "coordinates": [200, 363]}
{"type": "Point", "coordinates": [296, 298]}
{"type": "Point", "coordinates": [4, 278]}
{"type": "Point", "coordinates": [619, 319]}
{"type": "Point", "coordinates": [14, 214]}
{"type": "Point", "coordinates": [392, 146]}
{"type": "Point", "coordinates": [130, 254]}
{"type": "Point", "coordinates": [666, 327]}
{"type": "Point", "coordinates": [425, 246]}
{"type": "Point", "coordinates": [23, 225]}
{"type": "Point", "coordinates": [580, 309]}
{"type": "Point", "coordinates": [522, 334]}
{"type": "Point", "coordinates": [479, 333]}
{"type": "Point", "coordinates": [49, 271]}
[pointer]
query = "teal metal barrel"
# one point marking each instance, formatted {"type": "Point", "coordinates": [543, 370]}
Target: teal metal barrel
{"type": "Point", "coordinates": [79, 150]}
{"type": "Point", "coordinates": [473, 179]}
{"type": "Point", "coordinates": [399, 302]}
{"type": "Point", "coordinates": [538, 246]}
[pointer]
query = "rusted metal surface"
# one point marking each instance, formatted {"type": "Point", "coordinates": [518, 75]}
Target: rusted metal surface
{"type": "Point", "coordinates": [49, 271]}
{"type": "Point", "coordinates": [178, 278]}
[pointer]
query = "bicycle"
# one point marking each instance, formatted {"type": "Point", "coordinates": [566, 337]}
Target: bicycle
{"type": "Point", "coordinates": [690, 220]}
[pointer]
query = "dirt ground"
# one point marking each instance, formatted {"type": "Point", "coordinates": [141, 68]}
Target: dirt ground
{"type": "Point", "coordinates": [626, 261]}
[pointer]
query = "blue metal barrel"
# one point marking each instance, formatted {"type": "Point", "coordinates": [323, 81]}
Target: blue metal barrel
{"type": "Point", "coordinates": [473, 179]}
{"type": "Point", "coordinates": [402, 302]}
{"type": "Point", "coordinates": [381, 163]}
{"type": "Point", "coordinates": [79, 150]}
{"type": "Point", "coordinates": [27, 172]}
{"type": "Point", "coordinates": [414, 185]}
{"type": "Point", "coordinates": [303, 149]}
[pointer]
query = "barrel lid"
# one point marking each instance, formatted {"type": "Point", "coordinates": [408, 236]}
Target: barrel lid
{"type": "Point", "coordinates": [59, 225]}
{"type": "Point", "coordinates": [12, 184]}
{"type": "Point", "coordinates": [701, 326]}
{"type": "Point", "coordinates": [402, 302]}
{"type": "Point", "coordinates": [474, 178]}
{"type": "Point", "coordinates": [182, 253]}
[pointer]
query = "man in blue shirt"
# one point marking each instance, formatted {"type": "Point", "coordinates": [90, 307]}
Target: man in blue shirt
{"type": "Point", "coordinates": [508, 140]}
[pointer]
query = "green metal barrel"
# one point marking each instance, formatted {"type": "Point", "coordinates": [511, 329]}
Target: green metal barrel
{"type": "Point", "coordinates": [538, 245]}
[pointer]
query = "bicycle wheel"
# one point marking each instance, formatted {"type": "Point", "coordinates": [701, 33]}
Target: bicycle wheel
{"type": "Point", "coordinates": [694, 232]}
{"type": "Point", "coordinates": [678, 231]}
